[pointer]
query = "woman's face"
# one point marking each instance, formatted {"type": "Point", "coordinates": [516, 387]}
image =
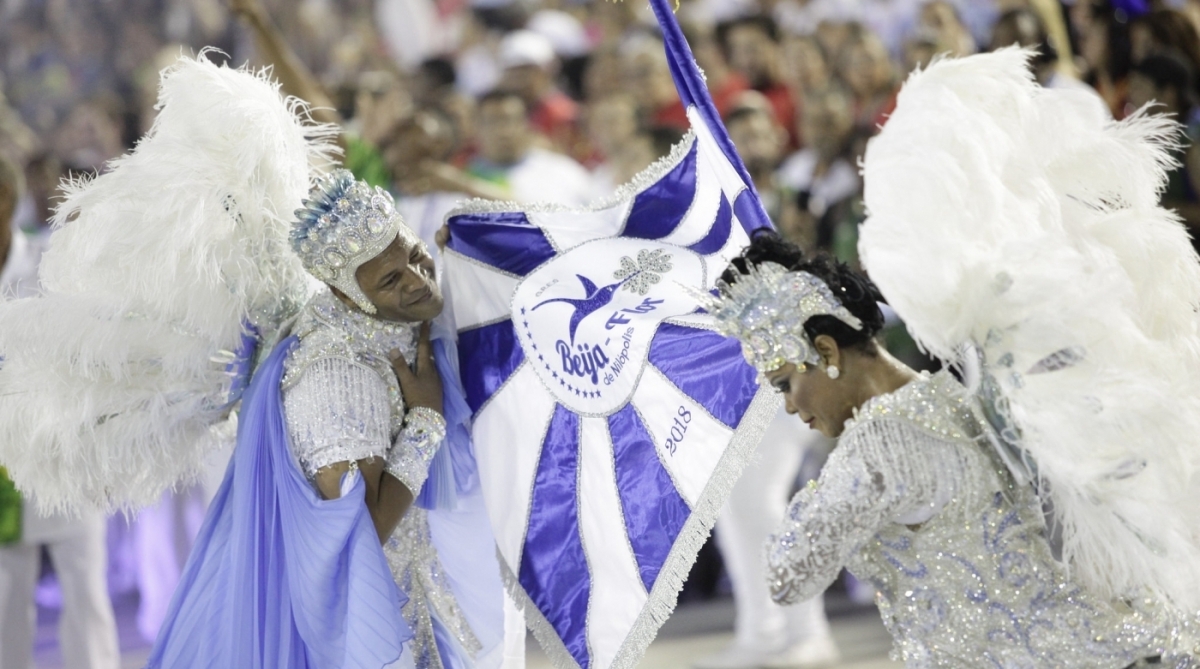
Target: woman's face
{"type": "Point", "coordinates": [824, 404]}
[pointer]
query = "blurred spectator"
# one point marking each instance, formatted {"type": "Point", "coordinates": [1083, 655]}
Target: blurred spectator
{"type": "Point", "coordinates": [509, 159]}
{"type": "Point", "coordinates": [18, 142]}
{"type": "Point", "coordinates": [644, 74]}
{"type": "Point", "coordinates": [415, 31]}
{"type": "Point", "coordinates": [1104, 50]}
{"type": "Point", "coordinates": [724, 83]}
{"type": "Point", "coordinates": [1165, 31]}
{"type": "Point", "coordinates": [806, 64]}
{"type": "Point", "coordinates": [89, 137]}
{"type": "Point", "coordinates": [762, 144]}
{"type": "Point", "coordinates": [1167, 80]}
{"type": "Point", "coordinates": [1023, 27]}
{"type": "Point", "coordinates": [12, 187]}
{"type": "Point", "coordinates": [477, 64]}
{"type": "Point", "coordinates": [621, 148]}
{"type": "Point", "coordinates": [529, 67]}
{"type": "Point", "coordinates": [942, 20]}
{"type": "Point", "coordinates": [426, 185]}
{"type": "Point", "coordinates": [868, 73]}
{"type": "Point", "coordinates": [602, 75]}
{"type": "Point", "coordinates": [751, 45]}
{"type": "Point", "coordinates": [919, 51]}
{"type": "Point", "coordinates": [379, 104]}
{"type": "Point", "coordinates": [822, 174]}
{"type": "Point", "coordinates": [433, 82]}
{"type": "Point", "coordinates": [76, 544]}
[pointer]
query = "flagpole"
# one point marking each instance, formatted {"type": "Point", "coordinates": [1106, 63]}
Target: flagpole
{"type": "Point", "coordinates": [694, 93]}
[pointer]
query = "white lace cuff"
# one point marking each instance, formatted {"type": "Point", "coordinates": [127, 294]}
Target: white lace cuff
{"type": "Point", "coordinates": [422, 435]}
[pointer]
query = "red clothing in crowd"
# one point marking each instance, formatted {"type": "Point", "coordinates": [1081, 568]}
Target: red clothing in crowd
{"type": "Point", "coordinates": [674, 115]}
{"type": "Point", "coordinates": [556, 116]}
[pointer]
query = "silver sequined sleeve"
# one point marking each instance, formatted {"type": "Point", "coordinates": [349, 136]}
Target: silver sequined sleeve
{"type": "Point", "coordinates": [883, 471]}
{"type": "Point", "coordinates": [337, 411]}
{"type": "Point", "coordinates": [422, 435]}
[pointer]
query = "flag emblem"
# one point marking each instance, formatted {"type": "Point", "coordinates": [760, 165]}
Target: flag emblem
{"type": "Point", "coordinates": [610, 420]}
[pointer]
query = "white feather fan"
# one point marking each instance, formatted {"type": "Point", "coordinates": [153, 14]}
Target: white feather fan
{"type": "Point", "coordinates": [1024, 223]}
{"type": "Point", "coordinates": [113, 377]}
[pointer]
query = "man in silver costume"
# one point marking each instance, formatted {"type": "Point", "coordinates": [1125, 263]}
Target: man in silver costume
{"type": "Point", "coordinates": [351, 400]}
{"type": "Point", "coordinates": [912, 499]}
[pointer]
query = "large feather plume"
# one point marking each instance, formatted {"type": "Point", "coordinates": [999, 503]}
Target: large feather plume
{"type": "Point", "coordinates": [113, 378]}
{"type": "Point", "coordinates": [1025, 223]}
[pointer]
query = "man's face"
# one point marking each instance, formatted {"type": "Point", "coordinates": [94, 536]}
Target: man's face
{"type": "Point", "coordinates": [423, 136]}
{"type": "Point", "coordinates": [612, 122]}
{"type": "Point", "coordinates": [504, 134]}
{"type": "Point", "coordinates": [647, 77]}
{"type": "Point", "coordinates": [806, 62]}
{"type": "Point", "coordinates": [529, 81]}
{"type": "Point", "coordinates": [753, 54]}
{"type": "Point", "coordinates": [759, 141]}
{"type": "Point", "coordinates": [400, 283]}
{"type": "Point", "coordinates": [827, 122]}
{"type": "Point", "coordinates": [865, 67]}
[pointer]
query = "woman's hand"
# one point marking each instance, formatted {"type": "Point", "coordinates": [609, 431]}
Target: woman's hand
{"type": "Point", "coordinates": [421, 387]}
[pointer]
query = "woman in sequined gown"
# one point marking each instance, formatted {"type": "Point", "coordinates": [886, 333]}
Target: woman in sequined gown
{"type": "Point", "coordinates": [914, 501]}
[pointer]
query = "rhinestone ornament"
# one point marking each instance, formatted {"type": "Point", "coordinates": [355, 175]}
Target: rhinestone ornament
{"type": "Point", "coordinates": [343, 224]}
{"type": "Point", "coordinates": [766, 310]}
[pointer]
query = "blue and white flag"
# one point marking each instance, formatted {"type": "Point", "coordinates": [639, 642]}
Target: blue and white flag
{"type": "Point", "coordinates": [610, 421]}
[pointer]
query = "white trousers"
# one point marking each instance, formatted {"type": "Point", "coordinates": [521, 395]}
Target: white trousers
{"type": "Point", "coordinates": [87, 631]}
{"type": "Point", "coordinates": [754, 510]}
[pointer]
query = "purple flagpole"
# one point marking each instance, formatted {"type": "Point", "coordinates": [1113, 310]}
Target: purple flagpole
{"type": "Point", "coordinates": [694, 93]}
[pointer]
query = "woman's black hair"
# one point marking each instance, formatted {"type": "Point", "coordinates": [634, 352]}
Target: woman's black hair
{"type": "Point", "coordinates": [855, 291]}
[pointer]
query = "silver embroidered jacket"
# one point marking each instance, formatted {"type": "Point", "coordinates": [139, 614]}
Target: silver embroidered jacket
{"type": "Point", "coordinates": [914, 503]}
{"type": "Point", "coordinates": [342, 402]}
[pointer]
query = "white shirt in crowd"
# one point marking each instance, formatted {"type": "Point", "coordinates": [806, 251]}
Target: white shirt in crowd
{"type": "Point", "coordinates": [546, 176]}
{"type": "Point", "coordinates": [798, 173]}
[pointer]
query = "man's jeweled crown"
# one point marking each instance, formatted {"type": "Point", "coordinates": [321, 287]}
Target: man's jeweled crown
{"type": "Point", "coordinates": [343, 224]}
{"type": "Point", "coordinates": [766, 310]}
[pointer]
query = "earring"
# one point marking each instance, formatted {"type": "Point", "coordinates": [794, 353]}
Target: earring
{"type": "Point", "coordinates": [833, 371]}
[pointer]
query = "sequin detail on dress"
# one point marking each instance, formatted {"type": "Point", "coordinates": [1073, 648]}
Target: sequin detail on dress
{"type": "Point", "coordinates": [913, 503]}
{"type": "Point", "coordinates": [342, 402]}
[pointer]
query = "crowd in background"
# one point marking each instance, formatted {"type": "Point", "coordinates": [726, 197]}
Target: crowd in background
{"type": "Point", "coordinates": [567, 100]}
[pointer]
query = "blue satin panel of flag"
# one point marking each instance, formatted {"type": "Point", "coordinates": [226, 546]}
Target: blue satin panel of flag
{"type": "Point", "coordinates": [609, 419]}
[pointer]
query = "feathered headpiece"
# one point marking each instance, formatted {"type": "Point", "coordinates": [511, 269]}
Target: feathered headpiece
{"type": "Point", "coordinates": [766, 310]}
{"type": "Point", "coordinates": [156, 273]}
{"type": "Point", "coordinates": [343, 224]}
{"type": "Point", "coordinates": [1025, 224]}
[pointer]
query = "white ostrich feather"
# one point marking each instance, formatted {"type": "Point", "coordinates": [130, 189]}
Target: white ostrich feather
{"type": "Point", "coordinates": [1019, 221]}
{"type": "Point", "coordinates": [113, 377]}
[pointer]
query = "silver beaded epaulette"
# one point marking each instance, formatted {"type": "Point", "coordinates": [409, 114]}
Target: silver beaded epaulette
{"type": "Point", "coordinates": [766, 310]}
{"type": "Point", "coordinates": [343, 224]}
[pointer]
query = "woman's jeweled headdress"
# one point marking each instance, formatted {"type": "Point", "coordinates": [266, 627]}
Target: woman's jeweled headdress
{"type": "Point", "coordinates": [766, 310]}
{"type": "Point", "coordinates": [345, 223]}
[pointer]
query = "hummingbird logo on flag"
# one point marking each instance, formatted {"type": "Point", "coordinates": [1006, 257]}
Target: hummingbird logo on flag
{"type": "Point", "coordinates": [646, 271]}
{"type": "Point", "coordinates": [610, 419]}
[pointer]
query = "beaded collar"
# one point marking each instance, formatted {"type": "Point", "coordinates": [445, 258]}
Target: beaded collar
{"type": "Point", "coordinates": [328, 328]}
{"type": "Point", "coordinates": [937, 403]}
